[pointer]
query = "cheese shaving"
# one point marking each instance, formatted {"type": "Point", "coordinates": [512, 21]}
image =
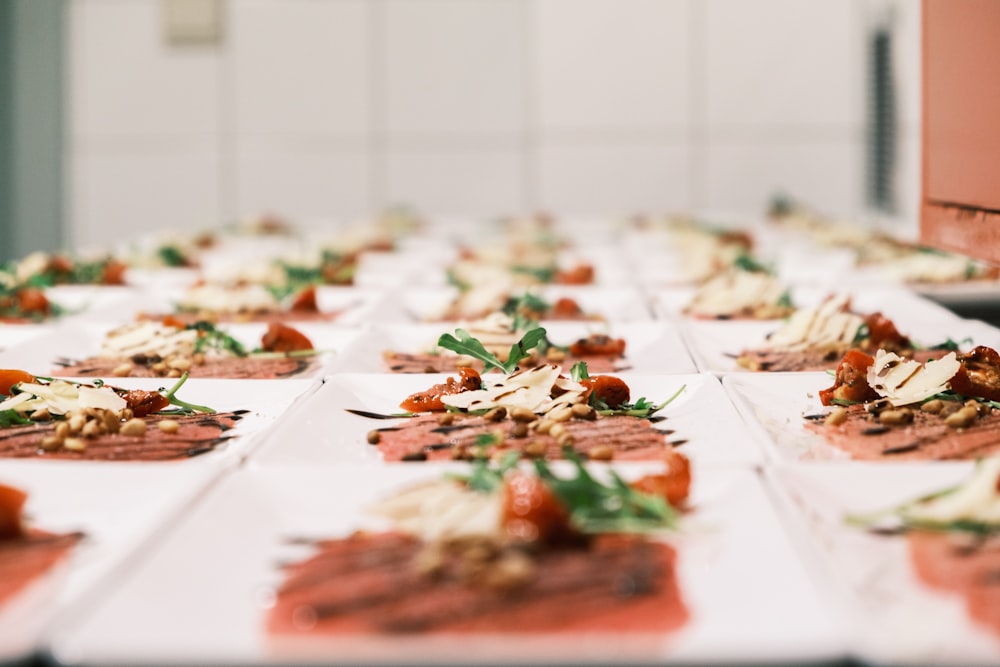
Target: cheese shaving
{"type": "Point", "coordinates": [905, 381]}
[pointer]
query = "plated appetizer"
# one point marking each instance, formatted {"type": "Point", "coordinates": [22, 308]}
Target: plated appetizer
{"type": "Point", "coordinates": [498, 332]}
{"type": "Point", "coordinates": [171, 348]}
{"type": "Point", "coordinates": [537, 411]}
{"type": "Point", "coordinates": [888, 407]}
{"type": "Point", "coordinates": [43, 269]}
{"type": "Point", "coordinates": [817, 338]}
{"type": "Point", "coordinates": [953, 538]}
{"type": "Point", "coordinates": [479, 302]}
{"type": "Point", "coordinates": [745, 291]}
{"type": "Point", "coordinates": [501, 550]}
{"type": "Point", "coordinates": [26, 553]}
{"type": "Point", "coordinates": [247, 303]}
{"type": "Point", "coordinates": [47, 418]}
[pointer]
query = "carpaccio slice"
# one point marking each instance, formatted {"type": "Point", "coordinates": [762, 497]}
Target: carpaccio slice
{"type": "Point", "coordinates": [404, 362]}
{"type": "Point", "coordinates": [807, 360]}
{"type": "Point", "coordinates": [232, 368]}
{"type": "Point", "coordinates": [26, 558]}
{"type": "Point", "coordinates": [197, 434]}
{"type": "Point", "coordinates": [375, 583]}
{"type": "Point", "coordinates": [967, 567]}
{"type": "Point", "coordinates": [425, 437]}
{"type": "Point", "coordinates": [927, 437]}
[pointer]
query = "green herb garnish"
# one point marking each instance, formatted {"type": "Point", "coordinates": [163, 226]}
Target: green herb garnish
{"type": "Point", "coordinates": [579, 371]}
{"type": "Point", "coordinates": [212, 338]}
{"type": "Point", "coordinates": [745, 262]}
{"type": "Point", "coordinates": [642, 408]}
{"type": "Point", "coordinates": [861, 334]}
{"type": "Point", "coordinates": [10, 418]}
{"type": "Point", "coordinates": [185, 407]}
{"type": "Point", "coordinates": [466, 344]}
{"type": "Point", "coordinates": [950, 345]}
{"type": "Point", "coordinates": [595, 507]}
{"type": "Point", "coordinates": [172, 256]}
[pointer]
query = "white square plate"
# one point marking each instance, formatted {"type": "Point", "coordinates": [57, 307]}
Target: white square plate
{"type": "Point", "coordinates": [320, 430]}
{"type": "Point", "coordinates": [892, 616]}
{"type": "Point", "coordinates": [748, 595]}
{"type": "Point", "coordinates": [41, 355]}
{"type": "Point", "coordinates": [117, 507]}
{"type": "Point", "coordinates": [774, 404]}
{"type": "Point", "coordinates": [264, 400]}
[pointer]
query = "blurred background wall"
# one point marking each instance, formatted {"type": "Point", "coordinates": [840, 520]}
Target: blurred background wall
{"type": "Point", "coordinates": [332, 109]}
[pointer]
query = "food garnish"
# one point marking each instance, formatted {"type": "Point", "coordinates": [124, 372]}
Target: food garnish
{"type": "Point", "coordinates": [972, 506]}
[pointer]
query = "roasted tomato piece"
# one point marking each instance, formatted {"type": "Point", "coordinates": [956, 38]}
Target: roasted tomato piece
{"type": "Point", "coordinates": [9, 377]}
{"type": "Point", "coordinates": [882, 333]}
{"type": "Point", "coordinates": [143, 402]}
{"type": "Point", "coordinates": [979, 374]}
{"type": "Point", "coordinates": [113, 273]}
{"type": "Point", "coordinates": [581, 274]}
{"type": "Point", "coordinates": [609, 389]}
{"type": "Point", "coordinates": [32, 300]}
{"type": "Point", "coordinates": [11, 502]}
{"type": "Point", "coordinates": [430, 400]}
{"type": "Point", "coordinates": [532, 513]}
{"type": "Point", "coordinates": [598, 345]}
{"type": "Point", "coordinates": [566, 307]}
{"type": "Point", "coordinates": [171, 321]}
{"type": "Point", "coordinates": [305, 301]}
{"type": "Point", "coordinates": [672, 485]}
{"type": "Point", "coordinates": [851, 383]}
{"type": "Point", "coordinates": [282, 338]}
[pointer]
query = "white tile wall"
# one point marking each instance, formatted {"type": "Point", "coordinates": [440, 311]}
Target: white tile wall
{"type": "Point", "coordinates": [118, 197]}
{"type": "Point", "coordinates": [333, 108]}
{"type": "Point", "coordinates": [126, 82]}
{"type": "Point", "coordinates": [612, 63]}
{"type": "Point", "coordinates": [782, 62]}
{"type": "Point", "coordinates": [743, 175]}
{"type": "Point", "coordinates": [475, 184]}
{"type": "Point", "coordinates": [613, 179]}
{"type": "Point", "coordinates": [300, 67]}
{"type": "Point", "coordinates": [453, 67]}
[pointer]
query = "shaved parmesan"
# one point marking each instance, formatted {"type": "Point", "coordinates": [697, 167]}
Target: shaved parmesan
{"type": "Point", "coordinates": [736, 292]}
{"type": "Point", "coordinates": [905, 381]}
{"type": "Point", "coordinates": [829, 324]}
{"type": "Point", "coordinates": [60, 397]}
{"type": "Point", "coordinates": [975, 500]}
{"type": "Point", "coordinates": [530, 389]}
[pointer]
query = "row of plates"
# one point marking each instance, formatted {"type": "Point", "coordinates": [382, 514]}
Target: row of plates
{"type": "Point", "coordinates": [181, 559]}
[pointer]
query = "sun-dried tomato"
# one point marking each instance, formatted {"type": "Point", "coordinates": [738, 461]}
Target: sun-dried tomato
{"type": "Point", "coordinates": [430, 399]}
{"type": "Point", "coordinates": [612, 391]}
{"type": "Point", "coordinates": [598, 345]}
{"type": "Point", "coordinates": [283, 338]}
{"type": "Point", "coordinates": [9, 377]}
{"type": "Point", "coordinates": [979, 374]}
{"type": "Point", "coordinates": [11, 503]}
{"type": "Point", "coordinates": [851, 383]}
{"type": "Point", "coordinates": [532, 513]}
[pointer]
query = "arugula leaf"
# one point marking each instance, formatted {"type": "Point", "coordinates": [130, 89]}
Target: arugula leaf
{"type": "Point", "coordinates": [466, 344]}
{"type": "Point", "coordinates": [541, 274]}
{"type": "Point", "coordinates": [10, 418]}
{"type": "Point", "coordinates": [185, 407]}
{"type": "Point", "coordinates": [863, 332]}
{"type": "Point", "coordinates": [642, 408]}
{"type": "Point", "coordinates": [580, 371]}
{"type": "Point", "coordinates": [212, 338]}
{"type": "Point", "coordinates": [526, 304]}
{"type": "Point", "coordinates": [595, 507]}
{"type": "Point", "coordinates": [172, 256]}
{"type": "Point", "coordinates": [487, 477]}
{"type": "Point", "coordinates": [950, 345]}
{"type": "Point", "coordinates": [747, 263]}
